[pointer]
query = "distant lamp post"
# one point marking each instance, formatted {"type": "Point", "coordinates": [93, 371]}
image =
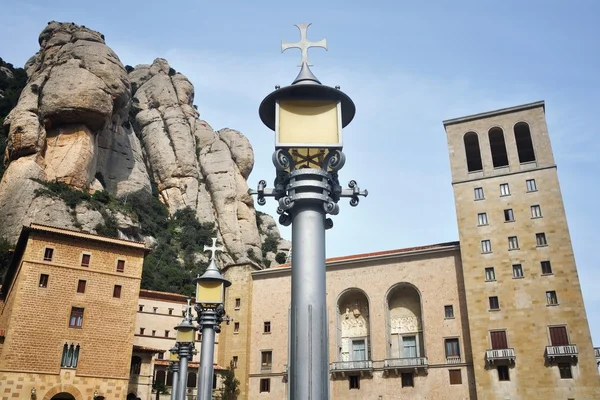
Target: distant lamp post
{"type": "Point", "coordinates": [210, 299]}
{"type": "Point", "coordinates": [174, 358]}
{"type": "Point", "coordinates": [308, 118]}
{"type": "Point", "coordinates": [185, 349]}
{"type": "Point", "coordinates": [33, 395]}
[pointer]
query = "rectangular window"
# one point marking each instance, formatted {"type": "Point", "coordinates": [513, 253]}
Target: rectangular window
{"type": "Point", "coordinates": [517, 271]}
{"type": "Point", "coordinates": [479, 193]}
{"type": "Point", "coordinates": [44, 280]}
{"type": "Point", "coordinates": [498, 339]}
{"type": "Point", "coordinates": [358, 350]}
{"type": "Point", "coordinates": [490, 275]}
{"type": "Point", "coordinates": [85, 260]}
{"type": "Point", "coordinates": [482, 219]}
{"type": "Point", "coordinates": [408, 379]}
{"type": "Point", "coordinates": [486, 246]}
{"type": "Point", "coordinates": [140, 308]}
{"type": "Point", "coordinates": [449, 311]}
{"type": "Point", "coordinates": [452, 348]}
{"type": "Point", "coordinates": [170, 311]}
{"type": "Point", "coordinates": [153, 333]}
{"type": "Point", "coordinates": [509, 216]}
{"type": "Point", "coordinates": [81, 286]}
{"type": "Point", "coordinates": [565, 371]}
{"type": "Point", "coordinates": [409, 346]}
{"type": "Point", "coordinates": [354, 381]}
{"type": "Point", "coordinates": [142, 330]}
{"type": "Point", "coordinates": [121, 266]}
{"type": "Point", "coordinates": [266, 359]}
{"type": "Point", "coordinates": [160, 356]}
{"type": "Point", "coordinates": [199, 337]}
{"type": "Point", "coordinates": [236, 327]}
{"type": "Point", "coordinates": [48, 253]}
{"type": "Point", "coordinates": [265, 385]}
{"type": "Point", "coordinates": [531, 187]}
{"type": "Point", "coordinates": [536, 212]}
{"type": "Point", "coordinates": [76, 319]}
{"type": "Point", "coordinates": [546, 267]}
{"type": "Point", "coordinates": [154, 310]}
{"type": "Point", "coordinates": [117, 291]}
{"type": "Point", "coordinates": [267, 327]}
{"type": "Point", "coordinates": [234, 360]}
{"type": "Point", "coordinates": [238, 303]}
{"type": "Point", "coordinates": [455, 377]}
{"type": "Point", "coordinates": [70, 356]}
{"type": "Point", "coordinates": [504, 189]}
{"type": "Point", "coordinates": [167, 333]}
{"type": "Point", "coordinates": [494, 303]}
{"type": "Point", "coordinates": [558, 336]}
{"type": "Point", "coordinates": [513, 243]}
{"type": "Point", "coordinates": [551, 298]}
{"type": "Point", "coordinates": [503, 374]}
{"type": "Point", "coordinates": [540, 239]}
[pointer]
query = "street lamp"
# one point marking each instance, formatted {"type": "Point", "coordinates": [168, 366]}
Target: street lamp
{"type": "Point", "coordinates": [308, 118]}
{"type": "Point", "coordinates": [185, 349]}
{"type": "Point", "coordinates": [210, 299]}
{"type": "Point", "coordinates": [174, 358]}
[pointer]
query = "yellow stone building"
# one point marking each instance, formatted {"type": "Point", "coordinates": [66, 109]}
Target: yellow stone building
{"type": "Point", "coordinates": [497, 315]}
{"type": "Point", "coordinates": [67, 315]}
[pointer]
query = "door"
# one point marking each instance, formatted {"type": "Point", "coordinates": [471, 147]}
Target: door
{"type": "Point", "coordinates": [558, 336]}
{"type": "Point", "coordinates": [499, 340]}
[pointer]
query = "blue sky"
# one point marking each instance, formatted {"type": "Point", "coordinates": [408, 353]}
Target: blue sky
{"type": "Point", "coordinates": [407, 65]}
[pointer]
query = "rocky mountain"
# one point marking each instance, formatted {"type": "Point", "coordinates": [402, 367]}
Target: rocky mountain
{"type": "Point", "coordinates": [91, 142]}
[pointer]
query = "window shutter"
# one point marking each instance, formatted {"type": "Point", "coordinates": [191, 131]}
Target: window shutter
{"type": "Point", "coordinates": [558, 336]}
{"type": "Point", "coordinates": [498, 340]}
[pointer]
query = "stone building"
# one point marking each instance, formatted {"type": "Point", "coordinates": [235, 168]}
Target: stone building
{"type": "Point", "coordinates": [496, 315]}
{"type": "Point", "coordinates": [67, 315]}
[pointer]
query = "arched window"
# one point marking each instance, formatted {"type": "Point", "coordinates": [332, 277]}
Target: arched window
{"type": "Point", "coordinates": [353, 336]}
{"type": "Point", "coordinates": [473, 153]}
{"type": "Point", "coordinates": [498, 147]}
{"type": "Point", "coordinates": [170, 378]}
{"type": "Point", "coordinates": [136, 365]}
{"type": "Point", "coordinates": [405, 325]}
{"type": "Point", "coordinates": [524, 143]}
{"type": "Point", "coordinates": [159, 379]}
{"type": "Point", "coordinates": [191, 382]}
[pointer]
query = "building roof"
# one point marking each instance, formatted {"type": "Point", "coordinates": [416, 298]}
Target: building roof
{"type": "Point", "coordinates": [405, 250]}
{"type": "Point", "coordinates": [27, 230]}
{"type": "Point", "coordinates": [156, 295]}
{"type": "Point", "coordinates": [143, 349]}
{"type": "Point", "coordinates": [494, 113]}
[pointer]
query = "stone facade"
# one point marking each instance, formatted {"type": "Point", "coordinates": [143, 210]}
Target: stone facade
{"type": "Point", "coordinates": [50, 280]}
{"type": "Point", "coordinates": [526, 226]}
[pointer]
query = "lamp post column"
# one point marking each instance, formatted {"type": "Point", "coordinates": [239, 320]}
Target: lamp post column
{"type": "Point", "coordinates": [175, 379]}
{"type": "Point", "coordinates": [185, 352]}
{"type": "Point", "coordinates": [209, 320]}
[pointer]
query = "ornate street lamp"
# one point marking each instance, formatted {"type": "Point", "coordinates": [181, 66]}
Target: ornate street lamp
{"type": "Point", "coordinates": [174, 366]}
{"type": "Point", "coordinates": [210, 299]}
{"type": "Point", "coordinates": [308, 118]}
{"type": "Point", "coordinates": [185, 345]}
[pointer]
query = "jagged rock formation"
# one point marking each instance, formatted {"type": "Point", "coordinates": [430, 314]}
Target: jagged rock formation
{"type": "Point", "coordinates": [86, 121]}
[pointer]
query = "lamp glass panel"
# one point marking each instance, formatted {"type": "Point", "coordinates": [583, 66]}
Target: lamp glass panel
{"type": "Point", "coordinates": [174, 357]}
{"type": "Point", "coordinates": [185, 335]}
{"type": "Point", "coordinates": [209, 292]}
{"type": "Point", "coordinates": [308, 122]}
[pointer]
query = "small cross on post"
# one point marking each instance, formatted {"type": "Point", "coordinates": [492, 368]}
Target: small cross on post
{"type": "Point", "coordinates": [304, 44]}
{"type": "Point", "coordinates": [188, 309]}
{"type": "Point", "coordinates": [213, 248]}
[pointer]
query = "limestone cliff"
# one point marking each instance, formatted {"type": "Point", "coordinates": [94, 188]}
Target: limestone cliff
{"type": "Point", "coordinates": [85, 121]}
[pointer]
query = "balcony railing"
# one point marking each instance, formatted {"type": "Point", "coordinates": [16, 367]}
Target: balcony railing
{"type": "Point", "coordinates": [597, 354]}
{"type": "Point", "coordinates": [500, 355]}
{"type": "Point", "coordinates": [453, 360]}
{"type": "Point", "coordinates": [344, 367]}
{"type": "Point", "coordinates": [566, 351]}
{"type": "Point", "coordinates": [403, 364]}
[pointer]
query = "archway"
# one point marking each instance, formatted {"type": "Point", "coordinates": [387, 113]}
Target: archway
{"type": "Point", "coordinates": [405, 323]}
{"type": "Point", "coordinates": [353, 328]}
{"type": "Point", "coordinates": [63, 396]}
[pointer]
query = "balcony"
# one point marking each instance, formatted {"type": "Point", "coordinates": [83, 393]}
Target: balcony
{"type": "Point", "coordinates": [562, 353]}
{"type": "Point", "coordinates": [453, 360]}
{"type": "Point", "coordinates": [344, 368]}
{"type": "Point", "coordinates": [500, 356]}
{"type": "Point", "coordinates": [597, 354]}
{"type": "Point", "coordinates": [404, 364]}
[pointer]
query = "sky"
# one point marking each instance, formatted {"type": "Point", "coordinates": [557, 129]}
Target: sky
{"type": "Point", "coordinates": [407, 65]}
